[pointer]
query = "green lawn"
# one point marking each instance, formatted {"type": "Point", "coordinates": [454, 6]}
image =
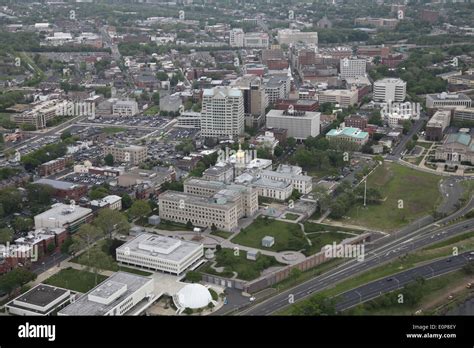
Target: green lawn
{"type": "Point", "coordinates": [113, 265]}
{"type": "Point", "coordinates": [171, 226]}
{"type": "Point", "coordinates": [290, 216]}
{"type": "Point", "coordinates": [425, 145]}
{"type": "Point", "coordinates": [76, 280]}
{"type": "Point", "coordinates": [318, 240]}
{"type": "Point", "coordinates": [246, 269]}
{"type": "Point", "coordinates": [417, 191]}
{"type": "Point", "coordinates": [287, 236]}
{"type": "Point", "coordinates": [152, 111]}
{"type": "Point", "coordinates": [221, 234]}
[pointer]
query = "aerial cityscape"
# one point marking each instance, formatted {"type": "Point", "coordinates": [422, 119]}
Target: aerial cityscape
{"type": "Point", "coordinates": [236, 158]}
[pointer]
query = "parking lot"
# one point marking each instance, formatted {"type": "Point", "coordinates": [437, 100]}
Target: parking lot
{"type": "Point", "coordinates": [135, 121]}
{"type": "Point", "coordinates": [86, 179]}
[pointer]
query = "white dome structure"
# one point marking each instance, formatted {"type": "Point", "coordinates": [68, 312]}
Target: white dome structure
{"type": "Point", "coordinates": [192, 296]}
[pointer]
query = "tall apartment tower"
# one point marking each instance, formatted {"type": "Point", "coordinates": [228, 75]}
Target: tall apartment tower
{"type": "Point", "coordinates": [390, 90]}
{"type": "Point", "coordinates": [222, 113]}
{"type": "Point", "coordinates": [353, 67]}
{"type": "Point", "coordinates": [236, 37]}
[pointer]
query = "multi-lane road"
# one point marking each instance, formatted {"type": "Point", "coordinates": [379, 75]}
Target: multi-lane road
{"type": "Point", "coordinates": [392, 248]}
{"type": "Point", "coordinates": [374, 289]}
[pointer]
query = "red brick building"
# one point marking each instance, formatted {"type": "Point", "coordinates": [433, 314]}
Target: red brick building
{"type": "Point", "coordinates": [54, 166]}
{"type": "Point", "coordinates": [64, 189]}
{"type": "Point", "coordinates": [356, 121]}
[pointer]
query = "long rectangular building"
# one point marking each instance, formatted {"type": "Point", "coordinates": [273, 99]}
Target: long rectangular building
{"type": "Point", "coordinates": [118, 295]}
{"type": "Point", "coordinates": [300, 124]}
{"type": "Point", "coordinates": [160, 253]}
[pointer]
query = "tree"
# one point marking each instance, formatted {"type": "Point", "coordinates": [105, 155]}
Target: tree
{"type": "Point", "coordinates": [10, 201]}
{"type": "Point", "coordinates": [66, 246]}
{"type": "Point", "coordinates": [109, 159]}
{"type": "Point", "coordinates": [99, 261]}
{"type": "Point", "coordinates": [6, 235]}
{"type": "Point", "coordinates": [193, 276]}
{"type": "Point", "coordinates": [50, 248]}
{"type": "Point", "coordinates": [22, 224]}
{"type": "Point", "coordinates": [213, 227]}
{"type": "Point", "coordinates": [84, 238]}
{"type": "Point", "coordinates": [375, 118]}
{"type": "Point", "coordinates": [406, 126]}
{"type": "Point", "coordinates": [126, 201]}
{"type": "Point", "coordinates": [155, 97]}
{"type": "Point", "coordinates": [316, 305]}
{"type": "Point", "coordinates": [98, 192]}
{"type": "Point", "coordinates": [40, 194]}
{"type": "Point", "coordinates": [278, 151]}
{"type": "Point", "coordinates": [189, 225]}
{"type": "Point", "coordinates": [110, 220]}
{"type": "Point", "coordinates": [15, 278]}
{"type": "Point", "coordinates": [291, 142]}
{"type": "Point", "coordinates": [468, 268]}
{"type": "Point", "coordinates": [139, 209]}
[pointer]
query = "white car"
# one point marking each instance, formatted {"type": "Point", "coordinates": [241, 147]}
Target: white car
{"type": "Point", "coordinates": [251, 299]}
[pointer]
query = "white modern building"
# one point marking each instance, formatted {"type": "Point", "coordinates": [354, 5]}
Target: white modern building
{"type": "Point", "coordinates": [290, 174]}
{"type": "Point", "coordinates": [160, 253]}
{"type": "Point", "coordinates": [192, 296]}
{"type": "Point", "coordinates": [65, 216]}
{"type": "Point", "coordinates": [118, 295]}
{"type": "Point", "coordinates": [294, 36]}
{"type": "Point", "coordinates": [353, 67]}
{"type": "Point", "coordinates": [444, 99]}
{"type": "Point", "coordinates": [40, 300]}
{"type": "Point", "coordinates": [343, 97]}
{"type": "Point", "coordinates": [189, 119]}
{"type": "Point", "coordinates": [256, 40]}
{"type": "Point", "coordinates": [390, 90]}
{"type": "Point", "coordinates": [112, 202]}
{"type": "Point", "coordinates": [125, 108]}
{"type": "Point", "coordinates": [222, 113]}
{"type": "Point", "coordinates": [300, 124]}
{"type": "Point", "coordinates": [236, 37]}
{"type": "Point", "coordinates": [397, 113]}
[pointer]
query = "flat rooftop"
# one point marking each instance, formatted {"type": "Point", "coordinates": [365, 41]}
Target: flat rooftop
{"type": "Point", "coordinates": [172, 249]}
{"type": "Point", "coordinates": [120, 280]}
{"type": "Point", "coordinates": [195, 199]}
{"type": "Point", "coordinates": [57, 184]}
{"type": "Point", "coordinates": [64, 212]}
{"type": "Point", "coordinates": [41, 295]}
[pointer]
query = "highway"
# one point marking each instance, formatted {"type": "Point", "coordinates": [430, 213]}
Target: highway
{"type": "Point", "coordinates": [393, 247]}
{"type": "Point", "coordinates": [376, 288]}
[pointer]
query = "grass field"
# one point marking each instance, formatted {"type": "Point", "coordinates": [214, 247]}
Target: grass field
{"type": "Point", "coordinates": [246, 269]}
{"type": "Point", "coordinates": [221, 234]}
{"type": "Point", "coordinates": [114, 266]}
{"type": "Point", "coordinates": [287, 236]}
{"type": "Point", "coordinates": [152, 111]}
{"type": "Point", "coordinates": [290, 216]}
{"type": "Point", "coordinates": [76, 280]}
{"type": "Point", "coordinates": [417, 191]}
